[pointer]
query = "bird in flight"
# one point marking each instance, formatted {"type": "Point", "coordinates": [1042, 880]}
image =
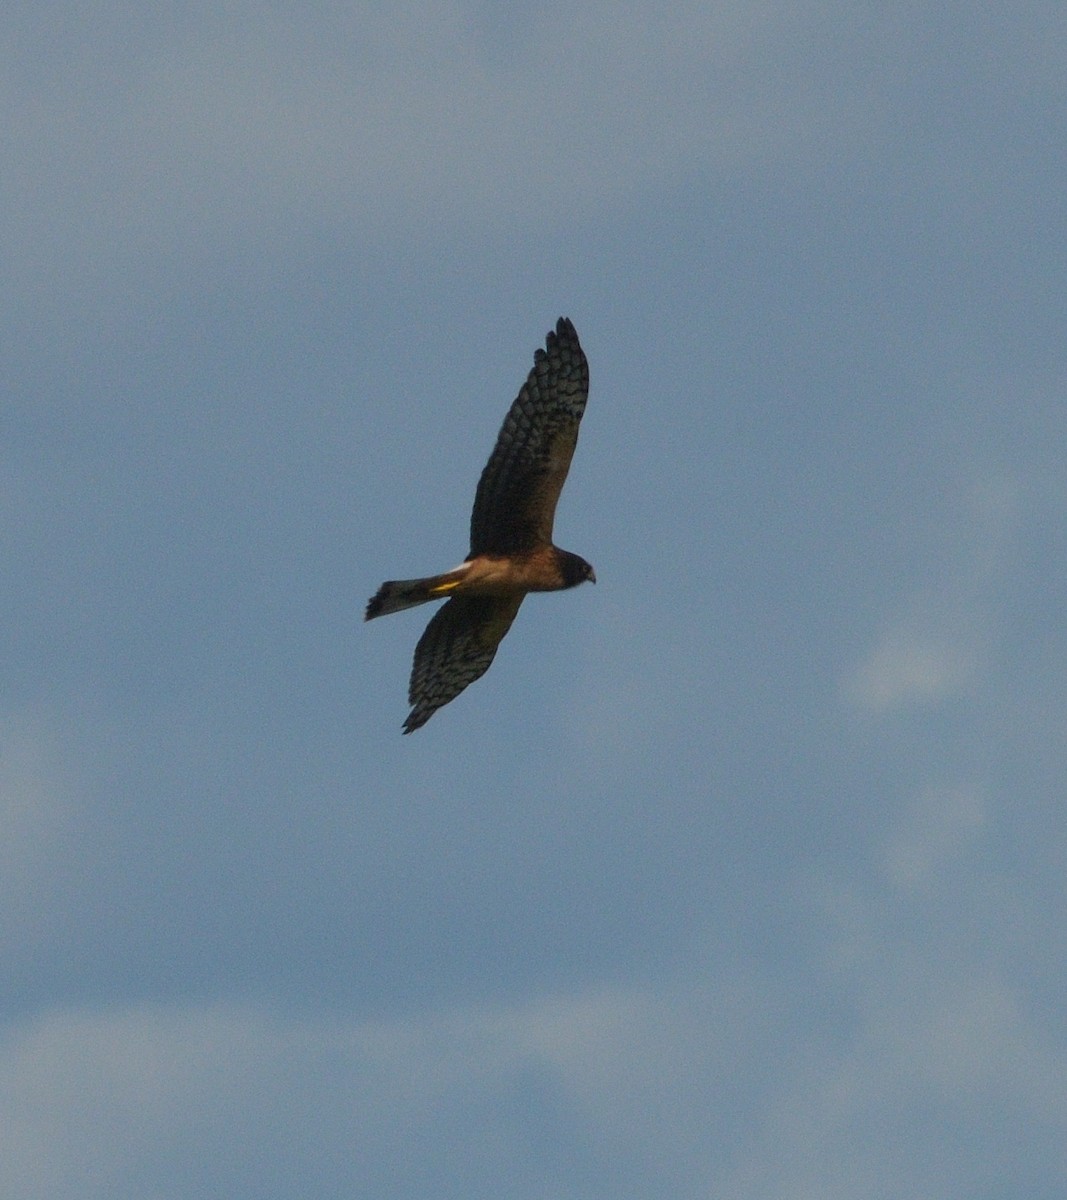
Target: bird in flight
{"type": "Point", "coordinates": [511, 551]}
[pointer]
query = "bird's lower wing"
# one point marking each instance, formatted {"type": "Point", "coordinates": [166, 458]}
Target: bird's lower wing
{"type": "Point", "coordinates": [455, 649]}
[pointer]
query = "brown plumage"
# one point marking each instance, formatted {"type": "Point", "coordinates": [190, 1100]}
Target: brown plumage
{"type": "Point", "coordinates": [511, 550]}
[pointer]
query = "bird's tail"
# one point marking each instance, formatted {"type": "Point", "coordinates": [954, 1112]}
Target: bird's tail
{"type": "Point", "coordinates": [397, 594]}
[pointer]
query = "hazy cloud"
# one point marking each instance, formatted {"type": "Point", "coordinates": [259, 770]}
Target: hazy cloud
{"type": "Point", "coordinates": [400, 119]}
{"type": "Point", "coordinates": [37, 820]}
{"type": "Point", "coordinates": [941, 822]}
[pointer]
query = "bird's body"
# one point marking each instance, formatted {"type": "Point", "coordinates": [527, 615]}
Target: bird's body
{"type": "Point", "coordinates": [511, 551]}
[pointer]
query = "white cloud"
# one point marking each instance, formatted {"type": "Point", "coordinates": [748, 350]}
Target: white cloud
{"type": "Point", "coordinates": [92, 1102]}
{"type": "Point", "coordinates": [942, 822]}
{"type": "Point", "coordinates": [903, 1107]}
{"type": "Point", "coordinates": [400, 120]}
{"type": "Point", "coordinates": [683, 1089]}
{"type": "Point", "coordinates": [938, 644]}
{"type": "Point", "coordinates": [36, 819]}
{"type": "Point", "coordinates": [907, 668]}
{"type": "Point", "coordinates": [91, 1098]}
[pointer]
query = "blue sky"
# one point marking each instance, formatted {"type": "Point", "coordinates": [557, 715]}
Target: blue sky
{"type": "Point", "coordinates": [739, 875]}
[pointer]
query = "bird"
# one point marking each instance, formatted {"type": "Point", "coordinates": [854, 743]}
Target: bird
{"type": "Point", "coordinates": [511, 549]}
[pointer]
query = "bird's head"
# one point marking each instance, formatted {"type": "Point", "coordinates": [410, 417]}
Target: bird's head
{"type": "Point", "coordinates": [575, 570]}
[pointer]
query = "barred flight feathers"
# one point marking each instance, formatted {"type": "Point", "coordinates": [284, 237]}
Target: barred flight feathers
{"type": "Point", "coordinates": [455, 649]}
{"type": "Point", "coordinates": [515, 505]}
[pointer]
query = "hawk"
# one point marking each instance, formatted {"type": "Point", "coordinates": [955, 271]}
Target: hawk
{"type": "Point", "coordinates": [511, 551]}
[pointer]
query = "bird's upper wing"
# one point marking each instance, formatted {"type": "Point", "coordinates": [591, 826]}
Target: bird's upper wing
{"type": "Point", "coordinates": [455, 649]}
{"type": "Point", "coordinates": [516, 499]}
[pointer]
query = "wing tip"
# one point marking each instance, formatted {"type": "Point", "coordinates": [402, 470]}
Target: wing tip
{"type": "Point", "coordinates": [416, 719]}
{"type": "Point", "coordinates": [565, 329]}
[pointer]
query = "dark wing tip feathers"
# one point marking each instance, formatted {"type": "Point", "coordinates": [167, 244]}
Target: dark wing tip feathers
{"type": "Point", "coordinates": [564, 332]}
{"type": "Point", "coordinates": [376, 604]}
{"type": "Point", "coordinates": [416, 720]}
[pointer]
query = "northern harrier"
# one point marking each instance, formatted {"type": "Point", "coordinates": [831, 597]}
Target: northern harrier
{"type": "Point", "coordinates": [511, 534]}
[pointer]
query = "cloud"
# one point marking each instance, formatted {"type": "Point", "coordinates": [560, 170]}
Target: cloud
{"type": "Point", "coordinates": [942, 822]}
{"type": "Point", "coordinates": [938, 644]}
{"type": "Point", "coordinates": [905, 668]}
{"type": "Point", "coordinates": [550, 1089]}
{"type": "Point", "coordinates": [396, 121]}
{"type": "Point", "coordinates": [95, 1101]}
{"type": "Point", "coordinates": [904, 1107]}
{"type": "Point", "coordinates": [695, 1085]}
{"type": "Point", "coordinates": [37, 820]}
